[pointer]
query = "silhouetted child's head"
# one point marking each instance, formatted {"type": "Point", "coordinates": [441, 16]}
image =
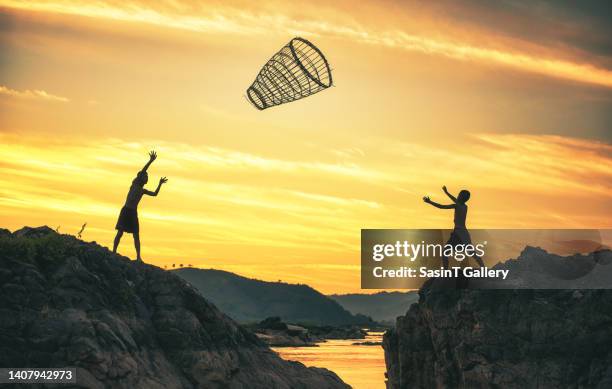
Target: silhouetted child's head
{"type": "Point", "coordinates": [464, 196]}
{"type": "Point", "coordinates": [141, 179]}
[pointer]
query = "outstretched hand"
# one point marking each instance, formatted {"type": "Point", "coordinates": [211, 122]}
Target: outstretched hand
{"type": "Point", "coordinates": [163, 180]}
{"type": "Point", "coordinates": [152, 155]}
{"type": "Point", "coordinates": [426, 199]}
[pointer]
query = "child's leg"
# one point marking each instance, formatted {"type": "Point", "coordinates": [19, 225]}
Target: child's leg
{"type": "Point", "coordinates": [117, 239]}
{"type": "Point", "coordinates": [452, 241]}
{"type": "Point", "coordinates": [445, 262]}
{"type": "Point", "coordinates": [467, 239]}
{"type": "Point", "coordinates": [137, 245]}
{"type": "Point", "coordinates": [479, 260]}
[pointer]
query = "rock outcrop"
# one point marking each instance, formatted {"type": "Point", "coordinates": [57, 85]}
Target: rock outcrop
{"type": "Point", "coordinates": [277, 333]}
{"type": "Point", "coordinates": [64, 303]}
{"type": "Point", "coordinates": [537, 269]}
{"type": "Point", "coordinates": [473, 338]}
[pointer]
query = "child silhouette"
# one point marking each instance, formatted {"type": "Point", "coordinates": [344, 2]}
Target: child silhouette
{"type": "Point", "coordinates": [128, 218]}
{"type": "Point", "coordinates": [460, 234]}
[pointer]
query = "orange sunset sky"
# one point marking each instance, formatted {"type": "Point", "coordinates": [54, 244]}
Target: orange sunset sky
{"type": "Point", "coordinates": [511, 99]}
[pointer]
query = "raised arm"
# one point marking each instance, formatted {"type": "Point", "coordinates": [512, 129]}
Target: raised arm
{"type": "Point", "coordinates": [449, 195]}
{"type": "Point", "coordinates": [152, 157]}
{"type": "Point", "coordinates": [441, 206]}
{"type": "Point", "coordinates": [162, 181]}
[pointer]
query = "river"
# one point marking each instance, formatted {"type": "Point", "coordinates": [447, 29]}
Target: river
{"type": "Point", "coordinates": [362, 367]}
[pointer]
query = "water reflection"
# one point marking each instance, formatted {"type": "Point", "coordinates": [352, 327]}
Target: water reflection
{"type": "Point", "coordinates": [361, 366]}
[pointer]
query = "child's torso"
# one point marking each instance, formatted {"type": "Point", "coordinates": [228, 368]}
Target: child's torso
{"type": "Point", "coordinates": [460, 215]}
{"type": "Point", "coordinates": [133, 196]}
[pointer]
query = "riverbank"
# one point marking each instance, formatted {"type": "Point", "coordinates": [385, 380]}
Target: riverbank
{"type": "Point", "coordinates": [360, 365]}
{"type": "Point", "coordinates": [277, 333]}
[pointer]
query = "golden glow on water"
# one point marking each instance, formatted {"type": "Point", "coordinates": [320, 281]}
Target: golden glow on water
{"type": "Point", "coordinates": [362, 367]}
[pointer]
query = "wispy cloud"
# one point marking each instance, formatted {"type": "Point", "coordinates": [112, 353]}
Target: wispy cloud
{"type": "Point", "coordinates": [240, 207]}
{"type": "Point", "coordinates": [34, 94]}
{"type": "Point", "coordinates": [225, 19]}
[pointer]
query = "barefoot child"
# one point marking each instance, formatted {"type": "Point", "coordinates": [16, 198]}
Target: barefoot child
{"type": "Point", "coordinates": [128, 218]}
{"type": "Point", "coordinates": [460, 234]}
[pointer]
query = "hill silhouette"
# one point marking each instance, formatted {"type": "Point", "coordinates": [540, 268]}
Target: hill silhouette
{"type": "Point", "coordinates": [122, 324]}
{"type": "Point", "coordinates": [383, 307]}
{"type": "Point", "coordinates": [248, 300]}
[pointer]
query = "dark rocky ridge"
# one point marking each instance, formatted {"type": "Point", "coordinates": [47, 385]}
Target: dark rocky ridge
{"type": "Point", "coordinates": [64, 302]}
{"type": "Point", "coordinates": [537, 269]}
{"type": "Point", "coordinates": [474, 338]}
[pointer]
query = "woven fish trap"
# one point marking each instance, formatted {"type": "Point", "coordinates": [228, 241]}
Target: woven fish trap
{"type": "Point", "coordinates": [296, 71]}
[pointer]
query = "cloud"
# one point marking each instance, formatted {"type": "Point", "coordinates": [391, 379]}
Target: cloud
{"type": "Point", "coordinates": [35, 94]}
{"type": "Point", "coordinates": [264, 20]}
{"type": "Point", "coordinates": [561, 26]}
{"type": "Point", "coordinates": [217, 186]}
{"type": "Point", "coordinates": [542, 165]}
{"type": "Point", "coordinates": [244, 208]}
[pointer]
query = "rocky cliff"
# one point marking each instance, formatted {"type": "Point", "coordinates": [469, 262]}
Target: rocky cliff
{"type": "Point", "coordinates": [64, 302]}
{"type": "Point", "coordinates": [474, 338]}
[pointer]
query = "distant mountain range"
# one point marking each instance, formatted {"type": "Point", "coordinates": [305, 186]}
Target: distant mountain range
{"type": "Point", "coordinates": [248, 300]}
{"type": "Point", "coordinates": [382, 307]}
